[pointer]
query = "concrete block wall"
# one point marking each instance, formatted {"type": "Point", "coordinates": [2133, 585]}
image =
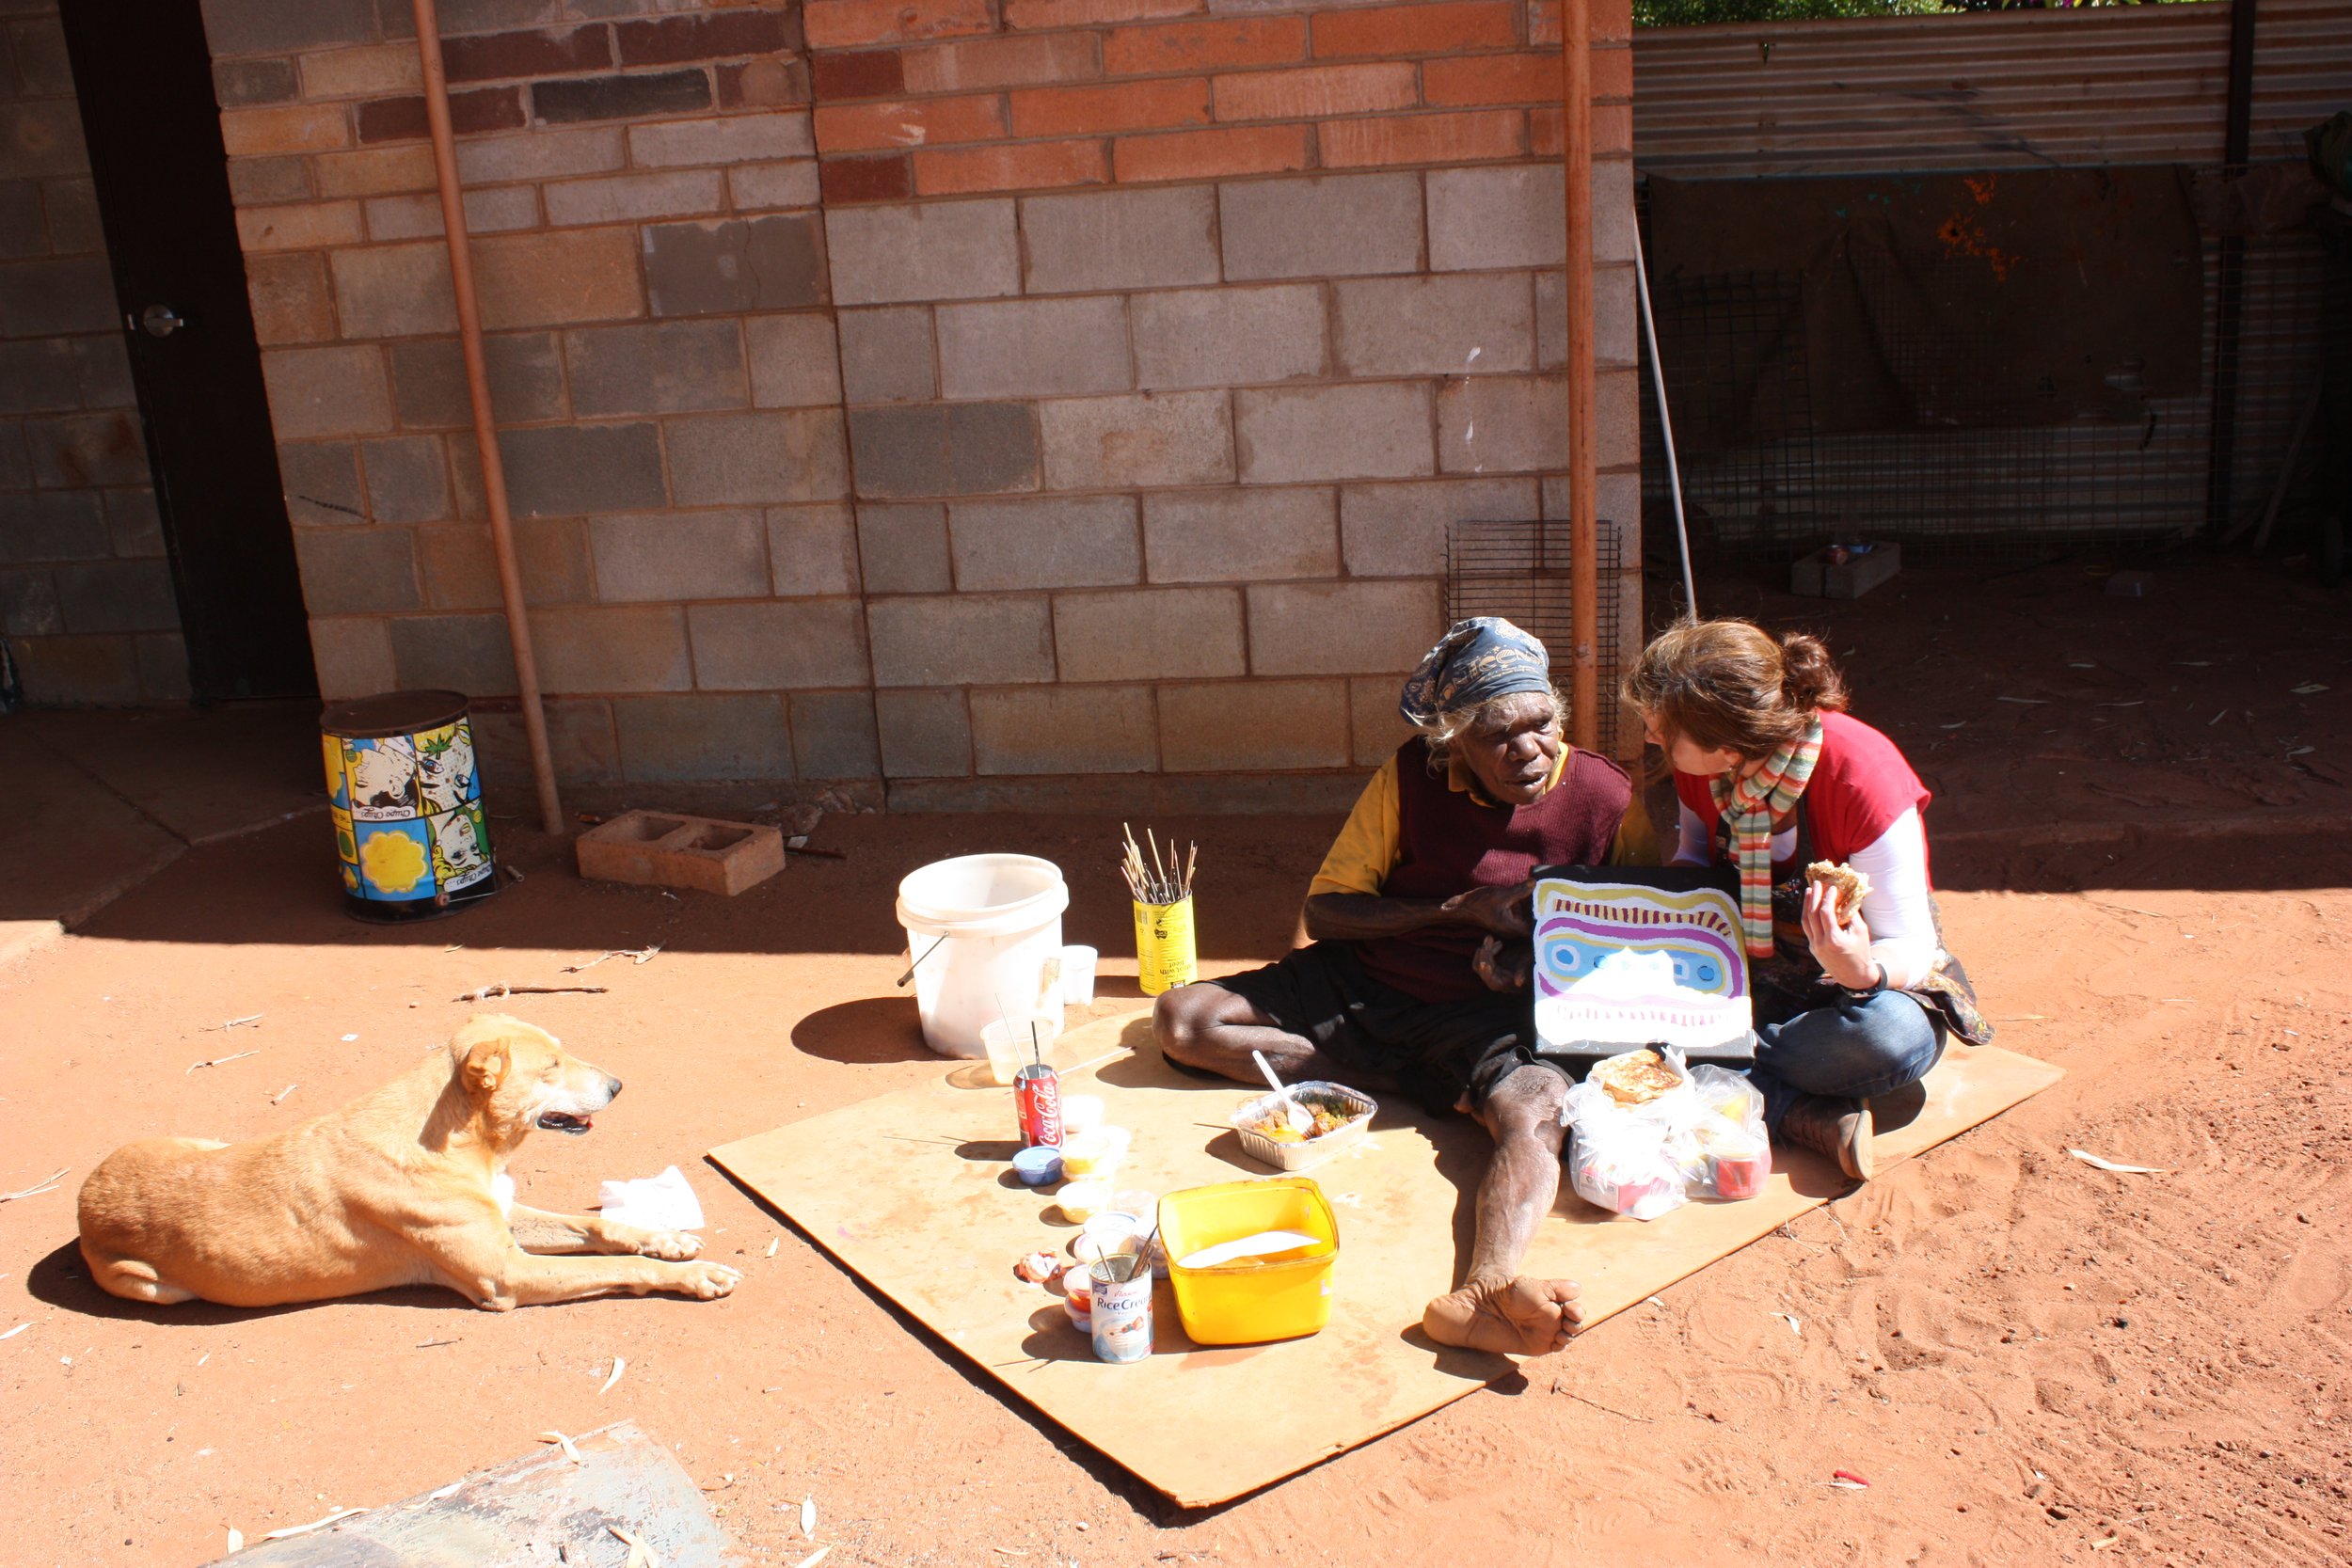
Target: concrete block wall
{"type": "Point", "coordinates": [86, 598]}
{"type": "Point", "coordinates": [1174, 332]}
{"type": "Point", "coordinates": [965, 393]}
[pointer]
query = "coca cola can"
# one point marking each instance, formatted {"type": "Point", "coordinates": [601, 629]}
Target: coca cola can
{"type": "Point", "coordinates": [1037, 1101]}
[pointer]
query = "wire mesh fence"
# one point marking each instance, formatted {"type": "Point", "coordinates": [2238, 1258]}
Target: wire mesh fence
{"type": "Point", "coordinates": [1763, 481]}
{"type": "Point", "coordinates": [1519, 570]}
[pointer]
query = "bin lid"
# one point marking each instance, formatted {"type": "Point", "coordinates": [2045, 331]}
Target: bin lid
{"type": "Point", "coordinates": [392, 713]}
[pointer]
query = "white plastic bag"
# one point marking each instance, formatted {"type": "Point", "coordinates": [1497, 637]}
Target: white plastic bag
{"type": "Point", "coordinates": [1734, 1151]}
{"type": "Point", "coordinates": [1703, 1138]}
{"type": "Point", "coordinates": [662, 1202]}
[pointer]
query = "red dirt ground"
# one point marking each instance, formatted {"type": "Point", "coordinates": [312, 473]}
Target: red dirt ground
{"type": "Point", "coordinates": [2029, 1359]}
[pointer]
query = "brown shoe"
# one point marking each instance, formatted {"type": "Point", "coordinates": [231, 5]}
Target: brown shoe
{"type": "Point", "coordinates": [1837, 1127]}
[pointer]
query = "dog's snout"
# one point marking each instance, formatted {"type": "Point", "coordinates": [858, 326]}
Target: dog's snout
{"type": "Point", "coordinates": [611, 1088]}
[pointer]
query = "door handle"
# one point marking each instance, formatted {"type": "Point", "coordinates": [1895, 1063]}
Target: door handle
{"type": "Point", "coordinates": [161, 321]}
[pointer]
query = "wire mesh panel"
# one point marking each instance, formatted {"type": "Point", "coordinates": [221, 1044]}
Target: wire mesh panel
{"type": "Point", "coordinates": [1519, 570]}
{"type": "Point", "coordinates": [1968, 480]}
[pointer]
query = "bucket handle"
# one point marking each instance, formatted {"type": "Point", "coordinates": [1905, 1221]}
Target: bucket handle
{"type": "Point", "coordinates": [901, 981]}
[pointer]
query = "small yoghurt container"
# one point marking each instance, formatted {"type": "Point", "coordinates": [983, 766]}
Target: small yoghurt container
{"type": "Point", "coordinates": [1094, 1152]}
{"type": "Point", "coordinates": [1081, 1113]}
{"type": "Point", "coordinates": [1077, 1296]}
{"type": "Point", "coordinates": [1038, 1165]}
{"type": "Point", "coordinates": [1081, 1200]}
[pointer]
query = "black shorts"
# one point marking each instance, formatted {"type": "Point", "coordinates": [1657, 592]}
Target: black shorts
{"type": "Point", "coordinates": [1435, 1051]}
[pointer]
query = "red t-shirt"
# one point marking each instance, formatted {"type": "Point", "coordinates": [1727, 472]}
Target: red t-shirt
{"type": "Point", "coordinates": [1860, 785]}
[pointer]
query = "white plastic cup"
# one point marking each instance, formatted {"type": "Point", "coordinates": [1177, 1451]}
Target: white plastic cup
{"type": "Point", "coordinates": [1077, 977]}
{"type": "Point", "coordinates": [1010, 1046]}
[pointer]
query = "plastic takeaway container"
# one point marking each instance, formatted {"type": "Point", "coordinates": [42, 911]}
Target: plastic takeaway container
{"type": "Point", "coordinates": [1246, 1301]}
{"type": "Point", "coordinates": [980, 929]}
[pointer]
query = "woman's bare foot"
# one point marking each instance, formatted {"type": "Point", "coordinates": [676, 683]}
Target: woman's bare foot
{"type": "Point", "coordinates": [1509, 1317]}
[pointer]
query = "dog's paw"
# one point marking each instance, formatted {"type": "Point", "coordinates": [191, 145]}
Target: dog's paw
{"type": "Point", "coordinates": [675, 1246]}
{"type": "Point", "coordinates": [707, 1281]}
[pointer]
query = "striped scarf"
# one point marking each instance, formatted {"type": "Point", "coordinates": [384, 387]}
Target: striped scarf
{"type": "Point", "coordinates": [1748, 806]}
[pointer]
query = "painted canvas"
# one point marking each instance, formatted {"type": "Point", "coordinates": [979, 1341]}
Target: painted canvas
{"type": "Point", "coordinates": [1622, 963]}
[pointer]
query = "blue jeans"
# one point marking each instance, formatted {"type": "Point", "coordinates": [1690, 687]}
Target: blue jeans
{"type": "Point", "coordinates": [1859, 1046]}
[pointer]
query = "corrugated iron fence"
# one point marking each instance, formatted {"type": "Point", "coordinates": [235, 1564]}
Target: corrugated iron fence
{"type": "Point", "coordinates": [1964, 94]}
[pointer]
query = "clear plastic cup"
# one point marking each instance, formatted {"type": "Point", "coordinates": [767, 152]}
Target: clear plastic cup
{"type": "Point", "coordinates": [1077, 977]}
{"type": "Point", "coordinates": [1009, 1046]}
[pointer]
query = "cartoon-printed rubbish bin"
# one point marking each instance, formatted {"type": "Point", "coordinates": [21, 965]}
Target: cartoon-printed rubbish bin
{"type": "Point", "coordinates": [406, 794]}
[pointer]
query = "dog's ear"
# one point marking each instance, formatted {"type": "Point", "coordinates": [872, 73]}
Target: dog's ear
{"type": "Point", "coordinates": [486, 1066]}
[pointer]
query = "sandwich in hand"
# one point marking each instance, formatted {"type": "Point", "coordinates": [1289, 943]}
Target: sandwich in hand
{"type": "Point", "coordinates": [1851, 886]}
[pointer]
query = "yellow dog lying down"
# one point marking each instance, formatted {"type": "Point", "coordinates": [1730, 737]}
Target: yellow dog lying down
{"type": "Point", "coordinates": [404, 1186]}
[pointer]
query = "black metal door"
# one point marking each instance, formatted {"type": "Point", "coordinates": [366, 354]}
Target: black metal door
{"type": "Point", "coordinates": [145, 78]}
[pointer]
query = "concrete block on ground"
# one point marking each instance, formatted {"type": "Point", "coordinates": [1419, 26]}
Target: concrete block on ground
{"type": "Point", "coordinates": [789, 455]}
{"type": "Point", "coordinates": [832, 735]}
{"type": "Point", "coordinates": [956, 449]}
{"type": "Point", "coordinates": [938, 250]}
{"type": "Point", "coordinates": [1503, 424]}
{"type": "Point", "coordinates": [1168, 438]}
{"type": "Point", "coordinates": [1398, 531]}
{"type": "Point", "coordinates": [1374, 429]}
{"type": "Point", "coordinates": [775, 645]}
{"type": "Point", "coordinates": [661, 556]}
{"type": "Point", "coordinates": [1227, 336]}
{"type": "Point", "coordinates": [1064, 729]}
{"type": "Point", "coordinates": [701, 853]}
{"type": "Point", "coordinates": [407, 479]}
{"type": "Point", "coordinates": [1243, 534]}
{"type": "Point", "coordinates": [526, 371]}
{"type": "Point", "coordinates": [1238, 726]}
{"type": "Point", "coordinates": [655, 368]}
{"type": "Point", "coordinates": [794, 363]}
{"type": "Point", "coordinates": [1511, 215]}
{"type": "Point", "coordinates": [563, 470]}
{"type": "Point", "coordinates": [696, 737]}
{"type": "Point", "coordinates": [1470, 325]}
{"type": "Point", "coordinates": [812, 550]}
{"type": "Point", "coordinates": [763, 263]}
{"type": "Point", "coordinates": [608, 648]}
{"type": "Point", "coordinates": [1337, 628]}
{"type": "Point", "coordinates": [903, 549]}
{"type": "Point", "coordinates": [924, 734]}
{"type": "Point", "coordinates": [1117, 240]}
{"type": "Point", "coordinates": [1321, 226]}
{"type": "Point", "coordinates": [1044, 542]}
{"type": "Point", "coordinates": [462, 652]}
{"type": "Point", "coordinates": [886, 355]}
{"type": "Point", "coordinates": [1148, 634]}
{"type": "Point", "coordinates": [1033, 347]}
{"type": "Point", "coordinates": [961, 638]}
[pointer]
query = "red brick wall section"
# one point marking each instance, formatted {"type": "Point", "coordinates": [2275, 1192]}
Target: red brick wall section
{"type": "Point", "coordinates": [86, 598]}
{"type": "Point", "coordinates": [1164, 91]}
{"type": "Point", "coordinates": [965, 393]}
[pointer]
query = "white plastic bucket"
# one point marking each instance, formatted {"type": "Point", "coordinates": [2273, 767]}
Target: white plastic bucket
{"type": "Point", "coordinates": [980, 930]}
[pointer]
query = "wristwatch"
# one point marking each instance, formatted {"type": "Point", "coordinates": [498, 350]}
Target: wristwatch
{"type": "Point", "coordinates": [1876, 986]}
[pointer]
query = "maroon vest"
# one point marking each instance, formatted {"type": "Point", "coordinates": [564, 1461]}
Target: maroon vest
{"type": "Point", "coordinates": [1447, 842]}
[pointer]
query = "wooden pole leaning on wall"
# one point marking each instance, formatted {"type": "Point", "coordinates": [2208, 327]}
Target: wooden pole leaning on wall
{"type": "Point", "coordinates": [485, 434]}
{"type": "Point", "coordinates": [1576, 71]}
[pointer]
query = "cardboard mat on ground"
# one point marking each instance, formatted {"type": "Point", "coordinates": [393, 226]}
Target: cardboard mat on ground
{"type": "Point", "coordinates": [913, 1192]}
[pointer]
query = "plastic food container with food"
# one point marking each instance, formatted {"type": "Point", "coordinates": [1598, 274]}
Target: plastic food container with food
{"type": "Point", "coordinates": [1284, 1155]}
{"type": "Point", "coordinates": [1250, 1300]}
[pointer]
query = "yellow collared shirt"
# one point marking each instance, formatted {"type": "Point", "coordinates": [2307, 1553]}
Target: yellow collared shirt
{"type": "Point", "coordinates": [1369, 846]}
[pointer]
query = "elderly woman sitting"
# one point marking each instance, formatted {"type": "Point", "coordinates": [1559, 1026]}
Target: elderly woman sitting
{"type": "Point", "coordinates": [1416, 975]}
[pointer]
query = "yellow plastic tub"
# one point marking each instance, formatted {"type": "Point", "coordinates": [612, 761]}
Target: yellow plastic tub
{"type": "Point", "coordinates": [1247, 1301]}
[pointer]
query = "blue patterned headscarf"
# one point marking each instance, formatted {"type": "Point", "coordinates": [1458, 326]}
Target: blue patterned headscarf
{"type": "Point", "coordinates": [1475, 661]}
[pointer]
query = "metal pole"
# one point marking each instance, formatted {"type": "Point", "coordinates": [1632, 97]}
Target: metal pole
{"type": "Point", "coordinates": [1666, 427]}
{"type": "Point", "coordinates": [1576, 71]}
{"type": "Point", "coordinates": [484, 423]}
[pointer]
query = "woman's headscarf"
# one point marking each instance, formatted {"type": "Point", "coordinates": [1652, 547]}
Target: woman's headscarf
{"type": "Point", "coordinates": [1475, 661]}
